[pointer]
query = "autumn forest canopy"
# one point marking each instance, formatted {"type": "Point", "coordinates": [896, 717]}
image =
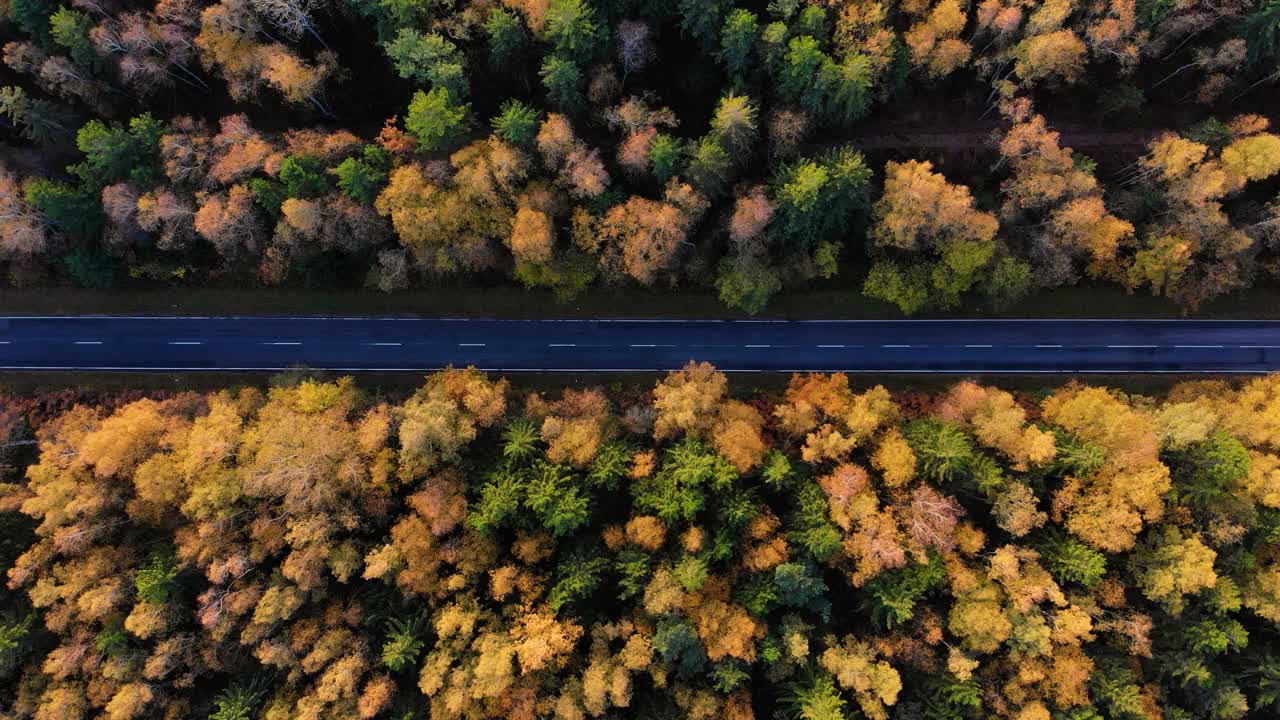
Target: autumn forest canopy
{"type": "Point", "coordinates": [682, 550]}
{"type": "Point", "coordinates": [740, 148]}
{"type": "Point", "coordinates": [687, 549]}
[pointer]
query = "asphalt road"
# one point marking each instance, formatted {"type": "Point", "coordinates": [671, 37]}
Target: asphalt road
{"type": "Point", "coordinates": [416, 344]}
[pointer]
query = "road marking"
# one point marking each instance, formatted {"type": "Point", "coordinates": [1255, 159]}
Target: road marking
{"type": "Point", "coordinates": [562, 345]}
{"type": "Point", "coordinates": [862, 371]}
{"type": "Point", "coordinates": [1085, 346]}
{"type": "Point", "coordinates": [387, 344]}
{"type": "Point", "coordinates": [622, 320]}
{"type": "Point", "coordinates": [402, 318]}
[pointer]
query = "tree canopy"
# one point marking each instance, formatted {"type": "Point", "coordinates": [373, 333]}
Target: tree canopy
{"type": "Point", "coordinates": [313, 550]}
{"type": "Point", "coordinates": [917, 152]}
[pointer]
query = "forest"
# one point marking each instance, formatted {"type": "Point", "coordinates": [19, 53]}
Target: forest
{"type": "Point", "coordinates": [734, 148]}
{"type": "Point", "coordinates": [686, 549]}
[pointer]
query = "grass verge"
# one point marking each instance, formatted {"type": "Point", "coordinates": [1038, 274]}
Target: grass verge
{"type": "Point", "coordinates": [513, 302]}
{"type": "Point", "coordinates": [400, 385]}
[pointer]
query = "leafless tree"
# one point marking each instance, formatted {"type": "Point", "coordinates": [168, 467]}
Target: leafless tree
{"type": "Point", "coordinates": [120, 204]}
{"type": "Point", "coordinates": [170, 215]}
{"type": "Point", "coordinates": [392, 272]}
{"type": "Point", "coordinates": [635, 46]}
{"type": "Point", "coordinates": [186, 151]}
{"type": "Point", "coordinates": [22, 230]}
{"type": "Point", "coordinates": [292, 17]}
{"type": "Point", "coordinates": [150, 54]}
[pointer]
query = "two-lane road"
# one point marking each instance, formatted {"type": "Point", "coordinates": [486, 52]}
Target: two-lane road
{"type": "Point", "coordinates": [419, 344]}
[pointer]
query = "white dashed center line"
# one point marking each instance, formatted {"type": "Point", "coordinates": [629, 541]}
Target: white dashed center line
{"type": "Point", "coordinates": [184, 342]}
{"type": "Point", "coordinates": [759, 346]}
{"type": "Point", "coordinates": [830, 346]}
{"type": "Point", "coordinates": [1130, 347]}
{"type": "Point", "coordinates": [1048, 346]}
{"type": "Point", "coordinates": [282, 343]}
{"type": "Point", "coordinates": [470, 344]}
{"type": "Point", "coordinates": [88, 342]}
{"type": "Point", "coordinates": [562, 345]}
{"type": "Point", "coordinates": [1199, 347]}
{"type": "Point", "coordinates": [895, 346]}
{"type": "Point", "coordinates": [387, 344]}
{"type": "Point", "coordinates": [977, 346]}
